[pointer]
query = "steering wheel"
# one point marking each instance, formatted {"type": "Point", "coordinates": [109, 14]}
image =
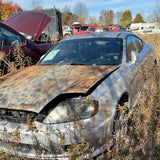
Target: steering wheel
{"type": "Point", "coordinates": [102, 60]}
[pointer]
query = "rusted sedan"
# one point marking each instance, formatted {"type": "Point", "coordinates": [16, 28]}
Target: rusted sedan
{"type": "Point", "coordinates": [67, 103]}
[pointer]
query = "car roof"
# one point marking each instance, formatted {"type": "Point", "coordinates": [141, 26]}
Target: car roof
{"type": "Point", "coordinates": [98, 35]}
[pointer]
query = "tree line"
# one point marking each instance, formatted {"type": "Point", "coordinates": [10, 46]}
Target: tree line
{"type": "Point", "coordinates": [80, 14]}
{"type": "Point", "coordinates": [6, 8]}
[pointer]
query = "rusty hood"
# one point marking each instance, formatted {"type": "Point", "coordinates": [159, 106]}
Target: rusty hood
{"type": "Point", "coordinates": [31, 23]}
{"type": "Point", "coordinates": [32, 88]}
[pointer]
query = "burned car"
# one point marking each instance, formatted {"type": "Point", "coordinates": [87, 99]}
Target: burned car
{"type": "Point", "coordinates": [23, 31]}
{"type": "Point", "coordinates": [68, 101]}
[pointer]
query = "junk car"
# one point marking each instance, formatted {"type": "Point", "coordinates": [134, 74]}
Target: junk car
{"type": "Point", "coordinates": [70, 97]}
{"type": "Point", "coordinates": [18, 31]}
{"type": "Point", "coordinates": [50, 33]}
{"type": "Point", "coordinates": [93, 29]}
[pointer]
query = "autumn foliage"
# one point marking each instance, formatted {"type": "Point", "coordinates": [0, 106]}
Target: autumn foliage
{"type": "Point", "coordinates": [6, 8]}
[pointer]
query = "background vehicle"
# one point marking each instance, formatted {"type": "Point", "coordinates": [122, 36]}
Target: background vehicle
{"type": "Point", "coordinates": [11, 38]}
{"type": "Point", "coordinates": [92, 29]}
{"type": "Point", "coordinates": [145, 28]}
{"type": "Point", "coordinates": [77, 27]}
{"type": "Point", "coordinates": [67, 31]}
{"type": "Point", "coordinates": [53, 30]}
{"type": "Point", "coordinates": [73, 94]}
{"type": "Point", "coordinates": [117, 28]}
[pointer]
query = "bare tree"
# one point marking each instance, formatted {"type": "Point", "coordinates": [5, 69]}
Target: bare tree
{"type": "Point", "coordinates": [67, 16]}
{"type": "Point", "coordinates": [117, 17]}
{"type": "Point", "coordinates": [106, 17]}
{"type": "Point", "coordinates": [93, 21]}
{"type": "Point", "coordinates": [35, 5]}
{"type": "Point", "coordinates": [66, 9]}
{"type": "Point", "coordinates": [80, 11]}
{"type": "Point", "coordinates": [155, 17]}
{"type": "Point", "coordinates": [102, 17]}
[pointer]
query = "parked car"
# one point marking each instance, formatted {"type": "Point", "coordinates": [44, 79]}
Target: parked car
{"type": "Point", "coordinates": [67, 31]}
{"type": "Point", "coordinates": [117, 28]}
{"type": "Point", "coordinates": [51, 32]}
{"type": "Point", "coordinates": [92, 29]}
{"type": "Point", "coordinates": [25, 36]}
{"type": "Point", "coordinates": [70, 97]}
{"type": "Point", "coordinates": [78, 28]}
{"type": "Point", "coordinates": [145, 28]}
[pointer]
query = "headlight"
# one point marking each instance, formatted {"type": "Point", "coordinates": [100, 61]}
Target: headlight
{"type": "Point", "coordinates": [72, 109]}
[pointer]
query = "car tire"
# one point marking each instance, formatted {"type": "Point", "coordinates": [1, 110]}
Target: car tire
{"type": "Point", "coordinates": [67, 35]}
{"type": "Point", "coordinates": [121, 126]}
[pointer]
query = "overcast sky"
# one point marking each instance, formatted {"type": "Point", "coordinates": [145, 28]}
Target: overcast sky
{"type": "Point", "coordinates": [94, 7]}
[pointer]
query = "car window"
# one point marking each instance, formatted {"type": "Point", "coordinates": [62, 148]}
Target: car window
{"type": "Point", "coordinates": [99, 29]}
{"type": "Point", "coordinates": [92, 29]}
{"type": "Point", "coordinates": [133, 44]}
{"type": "Point", "coordinates": [83, 28]}
{"type": "Point", "coordinates": [105, 29]}
{"type": "Point", "coordinates": [94, 51]}
{"type": "Point", "coordinates": [8, 38]}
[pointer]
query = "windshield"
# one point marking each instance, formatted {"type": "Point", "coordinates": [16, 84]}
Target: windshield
{"type": "Point", "coordinates": [91, 51]}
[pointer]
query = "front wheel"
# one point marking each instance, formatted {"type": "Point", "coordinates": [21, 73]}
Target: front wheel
{"type": "Point", "coordinates": [67, 35]}
{"type": "Point", "coordinates": [120, 128]}
{"type": "Point", "coordinates": [121, 125]}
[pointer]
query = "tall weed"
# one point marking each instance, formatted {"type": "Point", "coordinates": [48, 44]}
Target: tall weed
{"type": "Point", "coordinates": [142, 140]}
{"type": "Point", "coordinates": [19, 60]}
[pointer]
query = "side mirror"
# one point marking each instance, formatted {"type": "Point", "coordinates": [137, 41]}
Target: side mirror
{"type": "Point", "coordinates": [134, 56]}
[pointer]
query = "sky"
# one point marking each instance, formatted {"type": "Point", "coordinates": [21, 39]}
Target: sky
{"type": "Point", "coordinates": [94, 7]}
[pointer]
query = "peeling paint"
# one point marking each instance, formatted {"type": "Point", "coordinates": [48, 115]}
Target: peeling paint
{"type": "Point", "coordinates": [33, 87]}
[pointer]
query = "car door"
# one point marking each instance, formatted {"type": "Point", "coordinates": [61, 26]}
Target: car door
{"type": "Point", "coordinates": [92, 30]}
{"type": "Point", "coordinates": [9, 40]}
{"type": "Point", "coordinates": [136, 45]}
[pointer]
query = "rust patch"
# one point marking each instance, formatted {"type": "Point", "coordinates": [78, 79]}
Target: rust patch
{"type": "Point", "coordinates": [33, 87]}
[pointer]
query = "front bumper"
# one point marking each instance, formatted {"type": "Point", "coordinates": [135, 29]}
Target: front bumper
{"type": "Point", "coordinates": [36, 140]}
{"type": "Point", "coordinates": [55, 141]}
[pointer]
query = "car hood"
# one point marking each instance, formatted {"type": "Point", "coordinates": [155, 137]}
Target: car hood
{"type": "Point", "coordinates": [32, 88]}
{"type": "Point", "coordinates": [30, 23]}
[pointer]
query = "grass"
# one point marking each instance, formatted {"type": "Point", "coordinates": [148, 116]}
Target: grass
{"type": "Point", "coordinates": [143, 138]}
{"type": "Point", "coordinates": [19, 61]}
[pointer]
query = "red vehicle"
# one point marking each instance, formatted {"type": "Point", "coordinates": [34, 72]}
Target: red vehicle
{"type": "Point", "coordinates": [23, 31]}
{"type": "Point", "coordinates": [117, 28]}
{"type": "Point", "coordinates": [93, 29]}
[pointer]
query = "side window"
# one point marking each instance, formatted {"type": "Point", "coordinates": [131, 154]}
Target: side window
{"type": "Point", "coordinates": [133, 44]}
{"type": "Point", "coordinates": [99, 29]}
{"type": "Point", "coordinates": [105, 30]}
{"type": "Point", "coordinates": [8, 38]}
{"type": "Point", "coordinates": [92, 29]}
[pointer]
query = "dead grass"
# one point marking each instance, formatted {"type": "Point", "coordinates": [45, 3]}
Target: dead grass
{"type": "Point", "coordinates": [143, 138]}
{"type": "Point", "coordinates": [154, 40]}
{"type": "Point", "coordinates": [19, 60]}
